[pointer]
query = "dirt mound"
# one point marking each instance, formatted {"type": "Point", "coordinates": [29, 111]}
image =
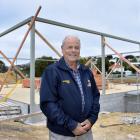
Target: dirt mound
{"type": "Point", "coordinates": [10, 77]}
{"type": "Point", "coordinates": [19, 131]}
{"type": "Point", "coordinates": [108, 127]}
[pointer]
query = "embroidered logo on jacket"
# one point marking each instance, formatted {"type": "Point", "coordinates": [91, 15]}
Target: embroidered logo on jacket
{"type": "Point", "coordinates": [88, 83]}
{"type": "Point", "coordinates": [66, 81]}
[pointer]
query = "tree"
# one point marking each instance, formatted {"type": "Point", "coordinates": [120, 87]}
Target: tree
{"type": "Point", "coordinates": [116, 58]}
{"type": "Point", "coordinates": [41, 64]}
{"type": "Point", "coordinates": [109, 57]}
{"type": "Point", "coordinates": [3, 68]}
{"type": "Point", "coordinates": [127, 67]}
{"type": "Point", "coordinates": [99, 64]}
{"type": "Point", "coordinates": [83, 60]}
{"type": "Point", "coordinates": [131, 58]}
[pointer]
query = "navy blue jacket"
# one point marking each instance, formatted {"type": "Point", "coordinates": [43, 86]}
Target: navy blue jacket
{"type": "Point", "coordinates": [60, 98]}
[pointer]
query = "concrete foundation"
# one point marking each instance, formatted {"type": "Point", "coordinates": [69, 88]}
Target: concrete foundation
{"type": "Point", "coordinates": [116, 102]}
{"type": "Point", "coordinates": [121, 102]}
{"type": "Point", "coordinates": [112, 102]}
{"type": "Point", "coordinates": [132, 101]}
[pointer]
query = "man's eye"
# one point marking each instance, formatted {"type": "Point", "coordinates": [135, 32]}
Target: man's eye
{"type": "Point", "coordinates": [77, 47]}
{"type": "Point", "coordinates": [70, 47]}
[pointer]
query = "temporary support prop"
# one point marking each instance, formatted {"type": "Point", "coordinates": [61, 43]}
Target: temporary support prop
{"type": "Point", "coordinates": [22, 43]}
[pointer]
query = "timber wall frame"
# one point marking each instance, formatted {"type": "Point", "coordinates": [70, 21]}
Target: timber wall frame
{"type": "Point", "coordinates": [55, 23]}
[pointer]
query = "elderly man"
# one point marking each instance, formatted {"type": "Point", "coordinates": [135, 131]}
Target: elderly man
{"type": "Point", "coordinates": [69, 97]}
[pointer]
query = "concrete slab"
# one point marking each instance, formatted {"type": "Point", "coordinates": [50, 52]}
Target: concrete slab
{"type": "Point", "coordinates": [118, 88]}
{"type": "Point", "coordinates": [20, 94]}
{"type": "Point", "coordinates": [23, 94]}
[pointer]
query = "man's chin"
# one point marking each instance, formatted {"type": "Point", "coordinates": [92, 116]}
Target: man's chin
{"type": "Point", "coordinates": [73, 60]}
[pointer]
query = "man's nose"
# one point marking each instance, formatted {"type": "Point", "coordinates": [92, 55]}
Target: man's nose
{"type": "Point", "coordinates": [73, 49]}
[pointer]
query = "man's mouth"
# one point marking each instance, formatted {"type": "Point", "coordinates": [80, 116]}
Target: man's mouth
{"type": "Point", "coordinates": [72, 55]}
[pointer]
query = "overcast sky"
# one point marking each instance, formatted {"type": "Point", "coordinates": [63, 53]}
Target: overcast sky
{"type": "Point", "coordinates": [120, 18]}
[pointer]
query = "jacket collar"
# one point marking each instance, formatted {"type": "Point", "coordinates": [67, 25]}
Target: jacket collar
{"type": "Point", "coordinates": [62, 64]}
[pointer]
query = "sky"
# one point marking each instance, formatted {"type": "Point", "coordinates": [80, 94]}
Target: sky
{"type": "Point", "coordinates": [119, 18]}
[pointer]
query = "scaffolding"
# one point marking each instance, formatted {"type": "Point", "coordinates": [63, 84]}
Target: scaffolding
{"type": "Point", "coordinates": [31, 23]}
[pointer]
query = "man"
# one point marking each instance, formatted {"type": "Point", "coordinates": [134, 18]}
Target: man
{"type": "Point", "coordinates": [69, 97]}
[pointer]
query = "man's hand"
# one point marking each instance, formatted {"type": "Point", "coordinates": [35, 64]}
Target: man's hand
{"type": "Point", "coordinates": [79, 130]}
{"type": "Point", "coordinates": [86, 124]}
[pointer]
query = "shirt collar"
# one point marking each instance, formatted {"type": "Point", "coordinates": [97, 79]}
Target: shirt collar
{"type": "Point", "coordinates": [61, 64]}
{"type": "Point", "coordinates": [78, 65]}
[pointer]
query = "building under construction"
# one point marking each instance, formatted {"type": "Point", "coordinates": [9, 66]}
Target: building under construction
{"type": "Point", "coordinates": [19, 97]}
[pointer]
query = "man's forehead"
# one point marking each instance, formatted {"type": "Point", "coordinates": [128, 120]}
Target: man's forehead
{"type": "Point", "coordinates": [72, 40]}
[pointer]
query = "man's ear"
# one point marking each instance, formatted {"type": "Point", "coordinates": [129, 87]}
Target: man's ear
{"type": "Point", "coordinates": [62, 49]}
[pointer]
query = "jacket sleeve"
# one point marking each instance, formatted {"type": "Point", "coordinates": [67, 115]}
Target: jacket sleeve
{"type": "Point", "coordinates": [93, 115]}
{"type": "Point", "coordinates": [49, 101]}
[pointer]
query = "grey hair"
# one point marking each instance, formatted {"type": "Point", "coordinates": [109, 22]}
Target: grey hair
{"type": "Point", "coordinates": [69, 36]}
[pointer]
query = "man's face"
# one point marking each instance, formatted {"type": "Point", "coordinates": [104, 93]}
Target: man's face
{"type": "Point", "coordinates": [71, 50]}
